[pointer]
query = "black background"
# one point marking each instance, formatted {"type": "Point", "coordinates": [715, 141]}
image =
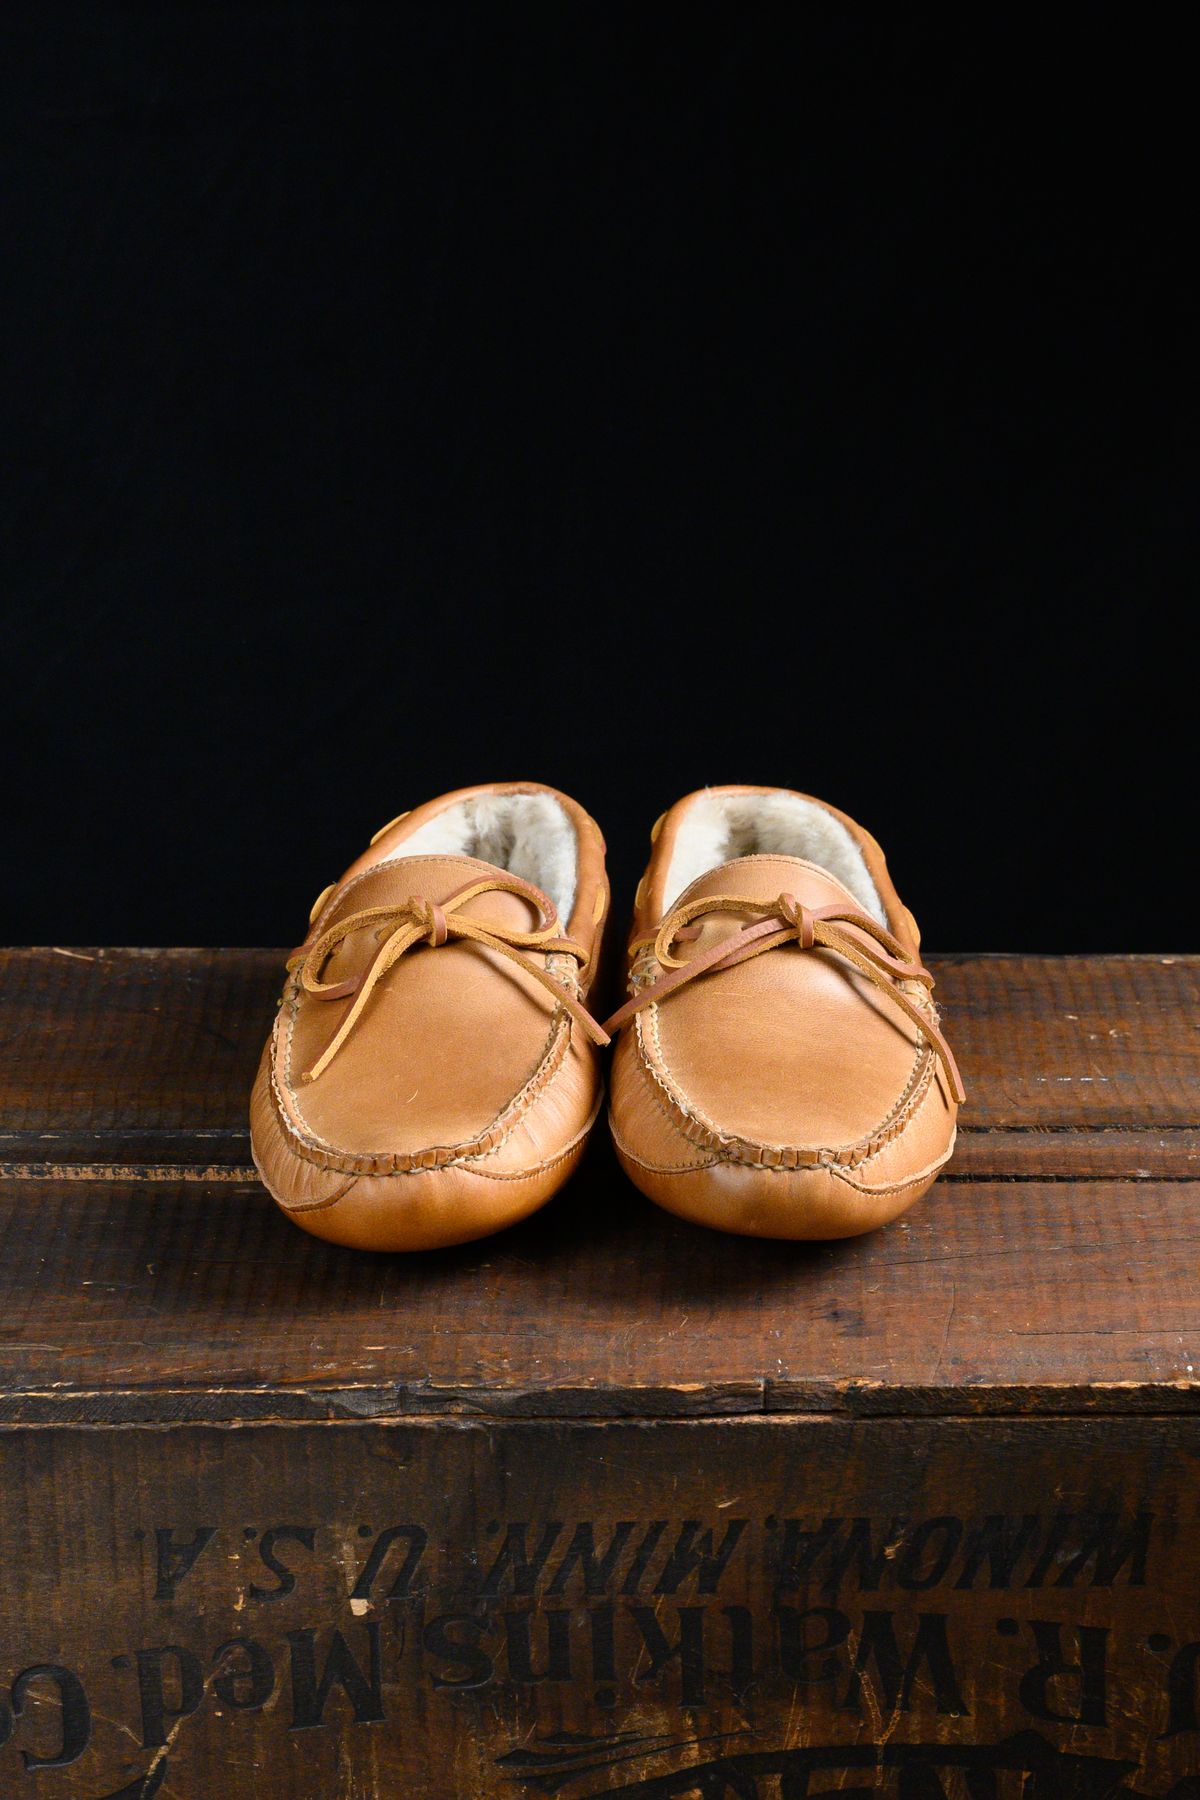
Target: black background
{"type": "Point", "coordinates": [621, 396]}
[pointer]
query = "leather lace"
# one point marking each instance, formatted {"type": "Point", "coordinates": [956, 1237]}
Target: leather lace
{"type": "Point", "coordinates": [852, 934]}
{"type": "Point", "coordinates": [417, 921]}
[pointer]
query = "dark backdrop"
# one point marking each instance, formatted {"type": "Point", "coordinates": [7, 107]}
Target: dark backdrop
{"type": "Point", "coordinates": [624, 396]}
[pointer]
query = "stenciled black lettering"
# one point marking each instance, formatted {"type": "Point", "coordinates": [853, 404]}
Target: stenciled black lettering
{"type": "Point", "coordinates": [513, 1559]}
{"type": "Point", "coordinates": [802, 1547]}
{"type": "Point", "coordinates": [598, 1571]}
{"type": "Point", "coordinates": [877, 1644]}
{"type": "Point", "coordinates": [459, 1652]}
{"type": "Point", "coordinates": [861, 1551]}
{"type": "Point", "coordinates": [1182, 1714]}
{"type": "Point", "coordinates": [1088, 1675]}
{"type": "Point", "coordinates": [176, 1559]}
{"type": "Point", "coordinates": [188, 1683]}
{"type": "Point", "coordinates": [1001, 1546]}
{"type": "Point", "coordinates": [1107, 1542]}
{"type": "Point", "coordinates": [604, 1654]}
{"type": "Point", "coordinates": [75, 1718]}
{"type": "Point", "coordinates": [364, 1691]}
{"type": "Point", "coordinates": [416, 1538]}
{"type": "Point", "coordinates": [694, 1554]}
{"type": "Point", "coordinates": [635, 1574]}
{"type": "Point", "coordinates": [245, 1674]}
{"type": "Point", "coordinates": [912, 1571]}
{"type": "Point", "coordinates": [305, 1535]}
{"type": "Point", "coordinates": [803, 1657]}
{"type": "Point", "coordinates": [687, 1650]}
{"type": "Point", "coordinates": [556, 1664]}
{"type": "Point", "coordinates": [741, 1648]}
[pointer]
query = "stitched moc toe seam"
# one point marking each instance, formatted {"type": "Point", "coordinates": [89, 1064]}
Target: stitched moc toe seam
{"type": "Point", "coordinates": [760, 1090]}
{"type": "Point", "coordinates": [414, 1206]}
{"type": "Point", "coordinates": [432, 1074]}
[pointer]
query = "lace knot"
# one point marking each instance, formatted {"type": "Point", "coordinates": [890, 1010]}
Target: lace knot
{"type": "Point", "coordinates": [431, 919]}
{"type": "Point", "coordinates": [797, 915]}
{"type": "Point", "coordinates": [418, 920]}
{"type": "Point", "coordinates": [866, 944]}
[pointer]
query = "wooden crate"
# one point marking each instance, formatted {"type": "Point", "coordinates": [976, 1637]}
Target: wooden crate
{"type": "Point", "coordinates": [607, 1505]}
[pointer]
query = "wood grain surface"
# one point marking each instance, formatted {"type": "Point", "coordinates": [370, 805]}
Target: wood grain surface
{"type": "Point", "coordinates": [607, 1505]}
{"type": "Point", "coordinates": [144, 1059]}
{"type": "Point", "coordinates": [735, 1609]}
{"type": "Point", "coordinates": [147, 1275]}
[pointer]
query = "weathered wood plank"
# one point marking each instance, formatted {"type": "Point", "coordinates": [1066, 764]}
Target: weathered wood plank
{"type": "Point", "coordinates": [131, 1056]}
{"type": "Point", "coordinates": [1108, 1152]}
{"type": "Point", "coordinates": [163, 1300]}
{"type": "Point", "coordinates": [766, 1608]}
{"type": "Point", "coordinates": [135, 1059]}
{"type": "Point", "coordinates": [915, 1511]}
{"type": "Point", "coordinates": [1076, 1041]}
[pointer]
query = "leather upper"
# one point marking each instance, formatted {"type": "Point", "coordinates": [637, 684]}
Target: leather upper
{"type": "Point", "coordinates": [462, 1083]}
{"type": "Point", "coordinates": [794, 1092]}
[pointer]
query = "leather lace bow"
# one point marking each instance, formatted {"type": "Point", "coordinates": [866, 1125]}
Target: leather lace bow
{"type": "Point", "coordinates": [852, 934]}
{"type": "Point", "coordinates": [416, 921]}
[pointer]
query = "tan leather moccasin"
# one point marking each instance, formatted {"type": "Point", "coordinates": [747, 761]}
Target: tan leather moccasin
{"type": "Point", "coordinates": [780, 1070]}
{"type": "Point", "coordinates": [432, 1075]}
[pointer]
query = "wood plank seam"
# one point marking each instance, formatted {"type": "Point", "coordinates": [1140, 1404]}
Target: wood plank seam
{"type": "Point", "coordinates": [244, 1174]}
{"type": "Point", "coordinates": [437, 1421]}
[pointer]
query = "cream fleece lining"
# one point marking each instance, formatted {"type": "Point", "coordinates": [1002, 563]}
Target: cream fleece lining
{"type": "Point", "coordinates": [529, 835]}
{"type": "Point", "coordinates": [719, 827]}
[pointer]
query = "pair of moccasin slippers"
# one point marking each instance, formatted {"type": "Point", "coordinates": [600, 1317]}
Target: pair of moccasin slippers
{"type": "Point", "coordinates": [435, 1067]}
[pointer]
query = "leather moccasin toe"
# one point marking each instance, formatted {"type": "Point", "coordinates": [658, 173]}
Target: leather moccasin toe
{"type": "Point", "coordinates": [780, 1070]}
{"type": "Point", "coordinates": [433, 1075]}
